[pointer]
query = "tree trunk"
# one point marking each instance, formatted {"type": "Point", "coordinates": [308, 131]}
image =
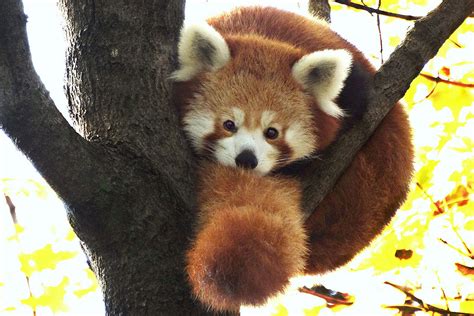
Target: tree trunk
{"type": "Point", "coordinates": [128, 179]}
{"type": "Point", "coordinates": [119, 55]}
{"type": "Point", "coordinates": [118, 58]}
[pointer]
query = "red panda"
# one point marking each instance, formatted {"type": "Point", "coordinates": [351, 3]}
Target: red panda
{"type": "Point", "coordinates": [260, 92]}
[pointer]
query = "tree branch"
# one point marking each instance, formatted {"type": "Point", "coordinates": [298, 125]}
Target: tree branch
{"type": "Point", "coordinates": [320, 9]}
{"type": "Point", "coordinates": [405, 63]}
{"type": "Point", "coordinates": [423, 306]}
{"type": "Point", "coordinates": [349, 3]}
{"type": "Point", "coordinates": [454, 83]}
{"type": "Point", "coordinates": [28, 115]}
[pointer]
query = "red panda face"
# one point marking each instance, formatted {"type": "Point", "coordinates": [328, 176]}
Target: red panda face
{"type": "Point", "coordinates": [254, 100]}
{"type": "Point", "coordinates": [245, 121]}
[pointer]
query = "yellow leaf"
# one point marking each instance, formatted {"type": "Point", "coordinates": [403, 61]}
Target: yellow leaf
{"type": "Point", "coordinates": [280, 310]}
{"type": "Point", "coordinates": [44, 258]}
{"type": "Point", "coordinates": [41, 189]}
{"type": "Point", "coordinates": [370, 2]}
{"type": "Point", "coordinates": [469, 225]}
{"type": "Point", "coordinates": [52, 297]}
{"type": "Point", "coordinates": [91, 275]}
{"type": "Point", "coordinates": [314, 311]}
{"type": "Point", "coordinates": [456, 176]}
{"type": "Point", "coordinates": [393, 41]}
{"type": "Point", "coordinates": [425, 174]}
{"type": "Point", "coordinates": [336, 6]}
{"type": "Point", "coordinates": [419, 2]}
{"type": "Point", "coordinates": [70, 235]}
{"type": "Point", "coordinates": [452, 97]}
{"type": "Point", "coordinates": [468, 165]}
{"type": "Point", "coordinates": [467, 307]}
{"type": "Point", "coordinates": [80, 293]}
{"type": "Point", "coordinates": [19, 229]}
{"type": "Point", "coordinates": [92, 288]}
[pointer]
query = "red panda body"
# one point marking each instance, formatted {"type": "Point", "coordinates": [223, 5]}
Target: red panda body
{"type": "Point", "coordinates": [299, 84]}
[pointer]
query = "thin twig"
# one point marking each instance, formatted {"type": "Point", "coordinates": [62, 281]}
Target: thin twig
{"type": "Point", "coordinates": [454, 248]}
{"type": "Point", "coordinates": [426, 97]}
{"type": "Point", "coordinates": [431, 92]}
{"type": "Point", "coordinates": [425, 306]}
{"type": "Point", "coordinates": [455, 229]}
{"type": "Point", "coordinates": [460, 238]}
{"type": "Point", "coordinates": [440, 210]}
{"type": "Point", "coordinates": [379, 28]}
{"type": "Point", "coordinates": [454, 83]}
{"type": "Point", "coordinates": [12, 208]}
{"type": "Point", "coordinates": [455, 43]}
{"type": "Point", "coordinates": [442, 291]}
{"type": "Point", "coordinates": [377, 11]}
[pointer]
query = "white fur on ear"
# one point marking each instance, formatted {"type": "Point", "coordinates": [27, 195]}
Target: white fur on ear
{"type": "Point", "coordinates": [323, 74]}
{"type": "Point", "coordinates": [201, 47]}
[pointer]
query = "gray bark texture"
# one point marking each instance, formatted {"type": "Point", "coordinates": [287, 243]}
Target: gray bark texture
{"type": "Point", "coordinates": [127, 177]}
{"type": "Point", "coordinates": [320, 9]}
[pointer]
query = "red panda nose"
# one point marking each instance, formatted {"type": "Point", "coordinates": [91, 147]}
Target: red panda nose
{"type": "Point", "coordinates": [246, 159]}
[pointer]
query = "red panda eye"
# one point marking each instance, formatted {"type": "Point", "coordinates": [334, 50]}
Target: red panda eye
{"type": "Point", "coordinates": [230, 126]}
{"type": "Point", "coordinates": [271, 133]}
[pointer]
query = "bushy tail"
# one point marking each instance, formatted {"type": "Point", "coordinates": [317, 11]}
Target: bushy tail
{"type": "Point", "coordinates": [243, 256]}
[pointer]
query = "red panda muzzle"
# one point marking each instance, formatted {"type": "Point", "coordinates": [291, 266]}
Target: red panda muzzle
{"type": "Point", "coordinates": [246, 159]}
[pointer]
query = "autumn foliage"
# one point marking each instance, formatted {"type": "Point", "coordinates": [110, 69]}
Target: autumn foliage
{"type": "Point", "coordinates": [428, 250]}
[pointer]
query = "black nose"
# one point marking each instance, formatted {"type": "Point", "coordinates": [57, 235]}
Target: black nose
{"type": "Point", "coordinates": [246, 159]}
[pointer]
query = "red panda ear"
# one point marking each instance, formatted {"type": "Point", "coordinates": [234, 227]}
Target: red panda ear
{"type": "Point", "coordinates": [322, 73]}
{"type": "Point", "coordinates": [200, 48]}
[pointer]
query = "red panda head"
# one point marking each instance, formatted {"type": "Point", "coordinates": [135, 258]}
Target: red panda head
{"type": "Point", "coordinates": [257, 103]}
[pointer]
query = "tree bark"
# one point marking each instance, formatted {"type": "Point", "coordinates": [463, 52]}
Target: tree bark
{"type": "Point", "coordinates": [320, 9]}
{"type": "Point", "coordinates": [127, 178]}
{"type": "Point", "coordinates": [128, 182]}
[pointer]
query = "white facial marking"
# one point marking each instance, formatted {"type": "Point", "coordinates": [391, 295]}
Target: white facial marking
{"type": "Point", "coordinates": [239, 116]}
{"type": "Point", "coordinates": [323, 74]}
{"type": "Point", "coordinates": [200, 48]}
{"type": "Point", "coordinates": [301, 142]}
{"type": "Point", "coordinates": [224, 151]}
{"type": "Point", "coordinates": [197, 125]}
{"type": "Point", "coordinates": [267, 118]}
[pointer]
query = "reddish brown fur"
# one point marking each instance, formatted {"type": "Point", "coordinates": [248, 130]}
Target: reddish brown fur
{"type": "Point", "coordinates": [262, 84]}
{"type": "Point", "coordinates": [365, 198]}
{"type": "Point", "coordinates": [248, 241]}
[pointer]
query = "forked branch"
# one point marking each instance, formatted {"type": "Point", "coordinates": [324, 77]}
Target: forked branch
{"type": "Point", "coordinates": [420, 45]}
{"type": "Point", "coordinates": [72, 166]}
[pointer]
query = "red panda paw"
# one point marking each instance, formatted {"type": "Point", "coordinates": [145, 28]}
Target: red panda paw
{"type": "Point", "coordinates": [243, 256]}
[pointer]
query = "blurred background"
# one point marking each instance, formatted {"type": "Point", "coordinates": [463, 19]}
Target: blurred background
{"type": "Point", "coordinates": [427, 251]}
